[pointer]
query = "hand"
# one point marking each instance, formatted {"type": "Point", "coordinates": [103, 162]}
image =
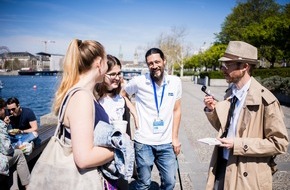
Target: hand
{"type": "Point", "coordinates": [7, 119]}
{"type": "Point", "coordinates": [209, 102]}
{"type": "Point", "coordinates": [176, 146]}
{"type": "Point", "coordinates": [226, 142]}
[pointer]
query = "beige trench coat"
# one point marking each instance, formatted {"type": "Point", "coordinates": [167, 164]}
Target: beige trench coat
{"type": "Point", "coordinates": [261, 134]}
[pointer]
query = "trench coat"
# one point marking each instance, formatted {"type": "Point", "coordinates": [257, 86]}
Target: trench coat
{"type": "Point", "coordinates": [260, 135]}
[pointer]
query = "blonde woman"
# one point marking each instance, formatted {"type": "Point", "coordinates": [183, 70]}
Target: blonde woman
{"type": "Point", "coordinates": [85, 65]}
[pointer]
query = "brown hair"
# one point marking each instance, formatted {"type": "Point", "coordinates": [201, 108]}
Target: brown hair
{"type": "Point", "coordinates": [102, 88]}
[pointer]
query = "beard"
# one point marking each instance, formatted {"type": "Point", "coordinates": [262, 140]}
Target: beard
{"type": "Point", "coordinates": [234, 78]}
{"type": "Point", "coordinates": [157, 75]}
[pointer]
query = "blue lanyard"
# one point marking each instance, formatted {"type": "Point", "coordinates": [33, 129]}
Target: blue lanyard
{"type": "Point", "coordinates": [155, 96]}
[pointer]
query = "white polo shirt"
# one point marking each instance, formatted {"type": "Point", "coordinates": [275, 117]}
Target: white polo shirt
{"type": "Point", "coordinates": [147, 112]}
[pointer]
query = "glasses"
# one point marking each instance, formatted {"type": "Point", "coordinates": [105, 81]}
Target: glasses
{"type": "Point", "coordinates": [12, 109]}
{"type": "Point", "coordinates": [114, 75]}
{"type": "Point", "coordinates": [226, 66]}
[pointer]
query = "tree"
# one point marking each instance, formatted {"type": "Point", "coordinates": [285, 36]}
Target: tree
{"type": "Point", "coordinates": [212, 55]}
{"type": "Point", "coordinates": [262, 23]}
{"type": "Point", "coordinates": [173, 47]}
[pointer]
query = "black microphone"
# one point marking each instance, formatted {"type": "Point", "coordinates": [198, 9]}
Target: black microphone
{"type": "Point", "coordinates": [203, 88]}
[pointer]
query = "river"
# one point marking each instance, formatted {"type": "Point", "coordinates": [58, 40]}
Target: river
{"type": "Point", "coordinates": [35, 92]}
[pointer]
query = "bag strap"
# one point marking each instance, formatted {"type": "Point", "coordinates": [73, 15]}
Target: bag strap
{"type": "Point", "coordinates": [63, 108]}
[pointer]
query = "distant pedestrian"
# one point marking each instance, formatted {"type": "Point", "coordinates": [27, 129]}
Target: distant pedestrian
{"type": "Point", "coordinates": [253, 130]}
{"type": "Point", "coordinates": [158, 104]}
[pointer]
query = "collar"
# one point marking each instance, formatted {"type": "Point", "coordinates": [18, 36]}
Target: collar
{"type": "Point", "coordinates": [241, 93]}
{"type": "Point", "coordinates": [164, 82]}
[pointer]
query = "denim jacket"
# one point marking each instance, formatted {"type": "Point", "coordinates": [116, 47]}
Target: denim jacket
{"type": "Point", "coordinates": [122, 166]}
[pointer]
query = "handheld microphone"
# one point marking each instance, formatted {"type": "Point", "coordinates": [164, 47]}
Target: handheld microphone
{"type": "Point", "coordinates": [203, 88]}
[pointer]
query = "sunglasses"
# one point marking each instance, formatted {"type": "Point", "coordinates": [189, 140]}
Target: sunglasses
{"type": "Point", "coordinates": [12, 109]}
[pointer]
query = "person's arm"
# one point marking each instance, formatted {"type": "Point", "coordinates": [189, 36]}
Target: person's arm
{"type": "Point", "coordinates": [79, 115]}
{"type": "Point", "coordinates": [33, 127]}
{"type": "Point", "coordinates": [176, 123]}
{"type": "Point", "coordinates": [275, 139]}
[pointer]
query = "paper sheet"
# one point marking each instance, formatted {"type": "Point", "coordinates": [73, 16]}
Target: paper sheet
{"type": "Point", "coordinates": [210, 141]}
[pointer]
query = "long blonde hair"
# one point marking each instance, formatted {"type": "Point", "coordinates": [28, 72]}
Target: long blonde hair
{"type": "Point", "coordinates": [79, 58]}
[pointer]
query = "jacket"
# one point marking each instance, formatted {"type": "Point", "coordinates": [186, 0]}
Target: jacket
{"type": "Point", "coordinates": [260, 135]}
{"type": "Point", "coordinates": [5, 148]}
{"type": "Point", "coordinates": [122, 166]}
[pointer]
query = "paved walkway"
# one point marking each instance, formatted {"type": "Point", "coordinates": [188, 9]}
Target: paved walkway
{"type": "Point", "coordinates": [195, 157]}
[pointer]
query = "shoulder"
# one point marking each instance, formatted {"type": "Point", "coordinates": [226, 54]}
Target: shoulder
{"type": "Point", "coordinates": [27, 110]}
{"type": "Point", "coordinates": [173, 78]}
{"type": "Point", "coordinates": [137, 81]}
{"type": "Point", "coordinates": [82, 95]}
{"type": "Point", "coordinates": [262, 91]}
{"type": "Point", "coordinates": [173, 81]}
{"type": "Point", "coordinates": [141, 78]}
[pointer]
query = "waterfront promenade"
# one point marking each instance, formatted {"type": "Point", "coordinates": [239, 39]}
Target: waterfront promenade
{"type": "Point", "coordinates": [195, 157]}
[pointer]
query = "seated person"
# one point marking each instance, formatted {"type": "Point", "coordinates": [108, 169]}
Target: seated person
{"type": "Point", "coordinates": [23, 119]}
{"type": "Point", "coordinates": [14, 159]}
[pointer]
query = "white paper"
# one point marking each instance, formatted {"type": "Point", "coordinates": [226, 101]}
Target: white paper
{"type": "Point", "coordinates": [210, 141]}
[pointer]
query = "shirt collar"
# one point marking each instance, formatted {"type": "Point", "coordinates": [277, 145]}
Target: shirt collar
{"type": "Point", "coordinates": [241, 93]}
{"type": "Point", "coordinates": [165, 78]}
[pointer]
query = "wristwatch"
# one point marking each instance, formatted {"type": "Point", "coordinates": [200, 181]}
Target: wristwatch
{"type": "Point", "coordinates": [21, 131]}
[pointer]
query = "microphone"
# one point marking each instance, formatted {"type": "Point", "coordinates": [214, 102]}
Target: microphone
{"type": "Point", "coordinates": [203, 88]}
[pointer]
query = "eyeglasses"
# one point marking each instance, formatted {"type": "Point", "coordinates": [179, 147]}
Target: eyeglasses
{"type": "Point", "coordinates": [226, 66]}
{"type": "Point", "coordinates": [12, 109]}
{"type": "Point", "coordinates": [114, 75]}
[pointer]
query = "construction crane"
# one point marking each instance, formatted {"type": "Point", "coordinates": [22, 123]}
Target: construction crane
{"type": "Point", "coordinates": [45, 44]}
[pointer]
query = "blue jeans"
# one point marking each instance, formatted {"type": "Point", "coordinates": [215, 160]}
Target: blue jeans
{"type": "Point", "coordinates": [165, 160]}
{"type": "Point", "coordinates": [26, 137]}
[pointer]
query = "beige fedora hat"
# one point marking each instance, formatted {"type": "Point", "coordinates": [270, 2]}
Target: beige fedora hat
{"type": "Point", "coordinates": [238, 51]}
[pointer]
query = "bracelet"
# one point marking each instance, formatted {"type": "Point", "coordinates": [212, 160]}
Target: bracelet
{"type": "Point", "coordinates": [22, 131]}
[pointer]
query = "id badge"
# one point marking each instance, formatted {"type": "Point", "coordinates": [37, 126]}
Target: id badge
{"type": "Point", "coordinates": [158, 126]}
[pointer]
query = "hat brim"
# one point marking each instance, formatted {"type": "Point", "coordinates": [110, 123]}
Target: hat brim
{"type": "Point", "coordinates": [250, 61]}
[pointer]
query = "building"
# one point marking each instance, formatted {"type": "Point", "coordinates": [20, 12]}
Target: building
{"type": "Point", "coordinates": [51, 62]}
{"type": "Point", "coordinates": [18, 59]}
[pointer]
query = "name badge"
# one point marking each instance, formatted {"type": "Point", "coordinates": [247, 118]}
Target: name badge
{"type": "Point", "coordinates": [158, 126]}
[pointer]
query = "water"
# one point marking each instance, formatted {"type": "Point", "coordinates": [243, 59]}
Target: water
{"type": "Point", "coordinates": [39, 99]}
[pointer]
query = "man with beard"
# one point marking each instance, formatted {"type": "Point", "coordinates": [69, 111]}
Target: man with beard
{"type": "Point", "coordinates": [251, 133]}
{"type": "Point", "coordinates": [158, 105]}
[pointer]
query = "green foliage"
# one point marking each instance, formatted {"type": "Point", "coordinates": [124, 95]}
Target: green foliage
{"type": "Point", "coordinates": [212, 74]}
{"type": "Point", "coordinates": [185, 73]}
{"type": "Point", "coordinates": [209, 58]}
{"type": "Point", "coordinates": [264, 24]}
{"type": "Point", "coordinates": [266, 73]}
{"type": "Point", "coordinates": [277, 84]}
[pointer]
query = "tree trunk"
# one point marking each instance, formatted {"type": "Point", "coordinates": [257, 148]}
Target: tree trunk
{"type": "Point", "coordinates": [181, 69]}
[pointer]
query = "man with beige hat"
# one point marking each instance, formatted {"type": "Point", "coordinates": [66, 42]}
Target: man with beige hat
{"type": "Point", "coordinates": [249, 123]}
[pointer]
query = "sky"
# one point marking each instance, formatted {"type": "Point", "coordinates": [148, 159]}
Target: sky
{"type": "Point", "coordinates": [122, 26]}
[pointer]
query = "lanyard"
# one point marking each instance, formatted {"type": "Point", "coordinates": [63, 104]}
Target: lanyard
{"type": "Point", "coordinates": [155, 96]}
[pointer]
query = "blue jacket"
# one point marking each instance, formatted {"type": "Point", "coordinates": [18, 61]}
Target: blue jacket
{"type": "Point", "coordinates": [122, 166]}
